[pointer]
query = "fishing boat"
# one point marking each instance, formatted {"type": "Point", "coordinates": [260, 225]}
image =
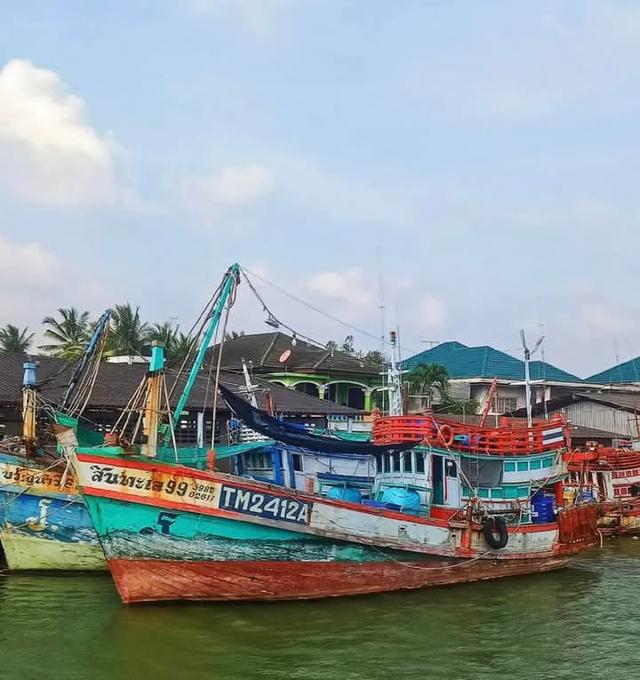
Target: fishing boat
{"type": "Point", "coordinates": [438, 515]}
{"type": "Point", "coordinates": [44, 523]}
{"type": "Point", "coordinates": [610, 477]}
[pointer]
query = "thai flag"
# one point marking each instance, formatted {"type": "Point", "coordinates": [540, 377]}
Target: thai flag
{"type": "Point", "coordinates": [553, 436]}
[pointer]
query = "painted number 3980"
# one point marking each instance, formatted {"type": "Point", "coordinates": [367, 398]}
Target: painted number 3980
{"type": "Point", "coordinates": [264, 505]}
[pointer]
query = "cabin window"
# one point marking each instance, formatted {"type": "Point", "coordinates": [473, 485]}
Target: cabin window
{"type": "Point", "coordinates": [510, 491]}
{"type": "Point", "coordinates": [535, 464]}
{"type": "Point", "coordinates": [466, 491]}
{"type": "Point", "coordinates": [451, 469]}
{"type": "Point", "coordinates": [547, 462]}
{"type": "Point", "coordinates": [483, 493]}
{"type": "Point", "coordinates": [523, 466]}
{"type": "Point", "coordinates": [407, 461]}
{"type": "Point", "coordinates": [497, 493]}
{"type": "Point", "coordinates": [296, 458]}
{"type": "Point", "coordinates": [419, 462]}
{"type": "Point", "coordinates": [510, 466]}
{"type": "Point", "coordinates": [396, 463]}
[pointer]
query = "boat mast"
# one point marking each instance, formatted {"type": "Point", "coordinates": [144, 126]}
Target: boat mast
{"type": "Point", "coordinates": [29, 397]}
{"type": "Point", "coordinates": [229, 282]}
{"type": "Point", "coordinates": [394, 378]}
{"type": "Point", "coordinates": [152, 406]}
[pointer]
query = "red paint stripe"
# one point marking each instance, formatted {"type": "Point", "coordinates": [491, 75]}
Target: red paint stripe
{"type": "Point", "coordinates": [153, 580]}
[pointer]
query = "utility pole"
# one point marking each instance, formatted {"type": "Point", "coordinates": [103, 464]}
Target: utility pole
{"type": "Point", "coordinates": [527, 374]}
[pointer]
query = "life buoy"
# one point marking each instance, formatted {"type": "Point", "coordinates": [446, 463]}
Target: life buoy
{"type": "Point", "coordinates": [495, 524]}
{"type": "Point", "coordinates": [445, 435]}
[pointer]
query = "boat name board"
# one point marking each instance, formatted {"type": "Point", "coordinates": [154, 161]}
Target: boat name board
{"type": "Point", "coordinates": [189, 491]}
{"type": "Point", "coordinates": [36, 479]}
{"type": "Point", "coordinates": [264, 505]}
{"type": "Point", "coordinates": [176, 488]}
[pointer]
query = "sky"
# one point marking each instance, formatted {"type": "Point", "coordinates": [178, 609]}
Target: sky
{"type": "Point", "coordinates": [469, 166]}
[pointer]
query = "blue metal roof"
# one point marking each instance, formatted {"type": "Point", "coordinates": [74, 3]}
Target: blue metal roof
{"type": "Point", "coordinates": [628, 372]}
{"type": "Point", "coordinates": [485, 362]}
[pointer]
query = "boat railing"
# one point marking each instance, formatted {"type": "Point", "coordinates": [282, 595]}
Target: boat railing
{"type": "Point", "coordinates": [603, 458]}
{"type": "Point", "coordinates": [512, 439]}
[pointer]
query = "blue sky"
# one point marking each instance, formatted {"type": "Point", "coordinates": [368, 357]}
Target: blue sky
{"type": "Point", "coordinates": [488, 150]}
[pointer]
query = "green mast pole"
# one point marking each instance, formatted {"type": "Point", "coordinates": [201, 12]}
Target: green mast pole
{"type": "Point", "coordinates": [230, 279]}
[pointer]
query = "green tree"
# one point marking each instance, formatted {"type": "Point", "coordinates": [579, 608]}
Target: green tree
{"type": "Point", "coordinates": [177, 344]}
{"type": "Point", "coordinates": [161, 332]}
{"type": "Point", "coordinates": [128, 333]}
{"type": "Point", "coordinates": [182, 345]}
{"type": "Point", "coordinates": [69, 334]}
{"type": "Point", "coordinates": [13, 340]}
{"type": "Point", "coordinates": [427, 379]}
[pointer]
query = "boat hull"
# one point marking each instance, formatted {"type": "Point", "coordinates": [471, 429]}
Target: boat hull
{"type": "Point", "coordinates": [44, 522]}
{"type": "Point", "coordinates": [24, 552]}
{"type": "Point", "coordinates": [157, 580]}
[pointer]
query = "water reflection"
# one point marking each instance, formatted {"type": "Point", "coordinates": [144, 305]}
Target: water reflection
{"type": "Point", "coordinates": [539, 626]}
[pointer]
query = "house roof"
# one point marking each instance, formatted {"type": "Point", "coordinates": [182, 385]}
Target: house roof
{"type": "Point", "coordinates": [627, 372]}
{"type": "Point", "coordinates": [117, 382]}
{"type": "Point", "coordinates": [462, 361]}
{"type": "Point", "coordinates": [621, 400]}
{"type": "Point", "coordinates": [264, 352]}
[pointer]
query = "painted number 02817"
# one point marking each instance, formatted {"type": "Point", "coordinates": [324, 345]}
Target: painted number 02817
{"type": "Point", "coordinates": [264, 505]}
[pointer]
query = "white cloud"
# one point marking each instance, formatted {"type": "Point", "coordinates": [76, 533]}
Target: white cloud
{"type": "Point", "coordinates": [350, 286]}
{"type": "Point", "coordinates": [229, 190]}
{"type": "Point", "coordinates": [35, 282]}
{"type": "Point", "coordinates": [432, 313]}
{"type": "Point", "coordinates": [26, 264]}
{"type": "Point", "coordinates": [49, 154]}
{"type": "Point", "coordinates": [259, 15]}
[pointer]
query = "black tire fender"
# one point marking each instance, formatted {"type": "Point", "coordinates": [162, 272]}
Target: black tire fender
{"type": "Point", "coordinates": [492, 525]}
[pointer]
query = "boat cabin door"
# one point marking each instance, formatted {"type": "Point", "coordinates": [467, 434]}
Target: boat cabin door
{"type": "Point", "coordinates": [446, 485]}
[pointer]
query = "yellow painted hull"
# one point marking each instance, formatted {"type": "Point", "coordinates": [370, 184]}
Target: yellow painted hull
{"type": "Point", "coordinates": [29, 553]}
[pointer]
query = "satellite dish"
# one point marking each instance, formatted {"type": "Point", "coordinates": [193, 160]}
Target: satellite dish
{"type": "Point", "coordinates": [284, 356]}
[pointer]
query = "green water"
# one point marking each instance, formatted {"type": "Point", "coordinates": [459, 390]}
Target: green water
{"type": "Point", "coordinates": [582, 622]}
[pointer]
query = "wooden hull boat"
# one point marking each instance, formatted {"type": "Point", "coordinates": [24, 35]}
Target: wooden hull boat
{"type": "Point", "coordinates": [174, 533]}
{"type": "Point", "coordinates": [44, 522]}
{"type": "Point", "coordinates": [612, 478]}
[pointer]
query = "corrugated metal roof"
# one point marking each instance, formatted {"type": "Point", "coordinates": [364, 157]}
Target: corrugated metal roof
{"type": "Point", "coordinates": [485, 362]}
{"type": "Point", "coordinates": [627, 372]}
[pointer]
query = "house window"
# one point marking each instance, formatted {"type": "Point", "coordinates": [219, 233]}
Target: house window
{"type": "Point", "coordinates": [506, 404]}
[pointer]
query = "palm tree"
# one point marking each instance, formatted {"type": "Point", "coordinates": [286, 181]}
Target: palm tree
{"type": "Point", "coordinates": [163, 332]}
{"type": "Point", "coordinates": [15, 341]}
{"type": "Point", "coordinates": [70, 334]}
{"type": "Point", "coordinates": [427, 379]}
{"type": "Point", "coordinates": [128, 332]}
{"type": "Point", "coordinates": [182, 345]}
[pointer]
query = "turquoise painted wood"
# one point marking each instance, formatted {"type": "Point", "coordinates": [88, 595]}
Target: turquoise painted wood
{"type": "Point", "coordinates": [142, 532]}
